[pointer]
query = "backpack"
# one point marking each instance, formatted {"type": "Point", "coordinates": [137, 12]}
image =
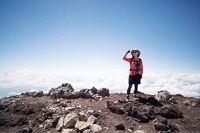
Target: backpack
{"type": "Point", "coordinates": [137, 69]}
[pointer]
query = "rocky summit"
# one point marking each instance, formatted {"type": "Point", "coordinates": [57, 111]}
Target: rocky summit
{"type": "Point", "coordinates": [62, 110]}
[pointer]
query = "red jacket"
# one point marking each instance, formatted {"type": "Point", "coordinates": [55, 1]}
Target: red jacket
{"type": "Point", "coordinates": [133, 64]}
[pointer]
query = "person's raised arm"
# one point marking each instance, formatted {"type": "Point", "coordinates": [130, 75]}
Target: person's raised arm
{"type": "Point", "coordinates": [125, 58]}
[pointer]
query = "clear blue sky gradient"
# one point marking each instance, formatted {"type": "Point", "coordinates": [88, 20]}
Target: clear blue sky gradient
{"type": "Point", "coordinates": [95, 34]}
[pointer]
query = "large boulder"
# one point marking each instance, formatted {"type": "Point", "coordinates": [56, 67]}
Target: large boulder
{"type": "Point", "coordinates": [61, 91]}
{"type": "Point", "coordinates": [165, 97]}
{"type": "Point", "coordinates": [142, 112]}
{"type": "Point", "coordinates": [170, 112]}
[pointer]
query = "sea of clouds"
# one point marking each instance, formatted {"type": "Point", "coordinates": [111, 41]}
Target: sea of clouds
{"type": "Point", "coordinates": [20, 80]}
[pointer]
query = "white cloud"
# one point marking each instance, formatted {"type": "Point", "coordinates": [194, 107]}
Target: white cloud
{"type": "Point", "coordinates": [22, 80]}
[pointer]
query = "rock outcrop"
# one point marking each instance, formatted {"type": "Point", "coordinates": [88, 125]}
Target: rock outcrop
{"type": "Point", "coordinates": [95, 110]}
{"type": "Point", "coordinates": [165, 97]}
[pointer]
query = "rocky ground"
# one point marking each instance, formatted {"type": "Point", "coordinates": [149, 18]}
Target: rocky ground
{"type": "Point", "coordinates": [92, 110]}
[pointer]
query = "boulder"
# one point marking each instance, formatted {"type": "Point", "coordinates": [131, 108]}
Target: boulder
{"type": "Point", "coordinates": [165, 97]}
{"type": "Point", "coordinates": [38, 94]}
{"type": "Point", "coordinates": [67, 121]}
{"type": "Point", "coordinates": [170, 112]}
{"type": "Point", "coordinates": [142, 112]}
{"type": "Point", "coordinates": [103, 92]}
{"type": "Point", "coordinates": [61, 91]}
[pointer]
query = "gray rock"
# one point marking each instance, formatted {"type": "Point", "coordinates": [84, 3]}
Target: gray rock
{"type": "Point", "coordinates": [103, 92]}
{"type": "Point", "coordinates": [172, 100]}
{"type": "Point", "coordinates": [55, 101]}
{"type": "Point", "coordinates": [67, 121]}
{"type": "Point", "coordinates": [55, 121]}
{"type": "Point", "coordinates": [61, 91]}
{"type": "Point", "coordinates": [163, 96]}
{"type": "Point", "coordinates": [38, 94]}
{"type": "Point", "coordinates": [139, 131]}
{"type": "Point", "coordinates": [91, 120]}
{"type": "Point", "coordinates": [87, 131]}
{"type": "Point", "coordinates": [95, 128]}
{"type": "Point", "coordinates": [82, 125]}
{"type": "Point", "coordinates": [186, 102]}
{"type": "Point", "coordinates": [115, 109]}
{"type": "Point", "coordinates": [172, 127]}
{"type": "Point", "coordinates": [160, 126]}
{"type": "Point", "coordinates": [68, 109]}
{"type": "Point", "coordinates": [170, 112]}
{"type": "Point", "coordinates": [82, 116]}
{"type": "Point", "coordinates": [48, 126]}
{"type": "Point", "coordinates": [142, 112]}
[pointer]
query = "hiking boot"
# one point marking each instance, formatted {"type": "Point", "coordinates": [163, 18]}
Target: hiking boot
{"type": "Point", "coordinates": [127, 98]}
{"type": "Point", "coordinates": [134, 97]}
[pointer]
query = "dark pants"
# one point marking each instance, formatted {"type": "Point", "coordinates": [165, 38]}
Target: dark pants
{"type": "Point", "coordinates": [133, 79]}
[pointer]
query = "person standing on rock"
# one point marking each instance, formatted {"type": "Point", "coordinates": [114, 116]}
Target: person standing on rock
{"type": "Point", "coordinates": [135, 72]}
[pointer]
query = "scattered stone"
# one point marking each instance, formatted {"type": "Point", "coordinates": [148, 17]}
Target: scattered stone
{"type": "Point", "coordinates": [119, 126]}
{"type": "Point", "coordinates": [68, 109]}
{"type": "Point", "coordinates": [82, 125]}
{"type": "Point", "coordinates": [68, 131]}
{"type": "Point", "coordinates": [38, 94]}
{"type": "Point", "coordinates": [87, 131]}
{"type": "Point", "coordinates": [194, 104]}
{"type": "Point", "coordinates": [41, 126]}
{"type": "Point", "coordinates": [164, 125]}
{"type": "Point", "coordinates": [82, 116]}
{"type": "Point", "coordinates": [172, 100]}
{"type": "Point", "coordinates": [90, 111]}
{"type": "Point", "coordinates": [114, 108]}
{"type": "Point", "coordinates": [139, 131]}
{"type": "Point", "coordinates": [160, 126]}
{"type": "Point", "coordinates": [95, 128]}
{"type": "Point", "coordinates": [27, 130]}
{"type": "Point", "coordinates": [67, 121]}
{"type": "Point", "coordinates": [186, 102]}
{"type": "Point", "coordinates": [48, 126]}
{"type": "Point", "coordinates": [91, 120]}
{"type": "Point", "coordinates": [55, 101]}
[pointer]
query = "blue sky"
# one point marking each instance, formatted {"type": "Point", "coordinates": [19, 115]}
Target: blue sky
{"type": "Point", "coordinates": [95, 34]}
